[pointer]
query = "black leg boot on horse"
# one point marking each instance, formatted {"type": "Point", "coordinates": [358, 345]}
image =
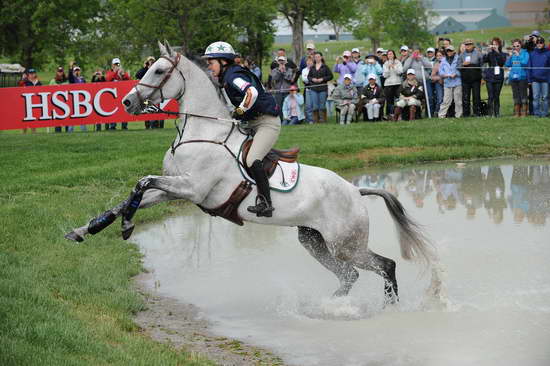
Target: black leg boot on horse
{"type": "Point", "coordinates": [263, 199]}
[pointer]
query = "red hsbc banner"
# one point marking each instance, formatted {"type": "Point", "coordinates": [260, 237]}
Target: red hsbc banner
{"type": "Point", "coordinates": [70, 104]}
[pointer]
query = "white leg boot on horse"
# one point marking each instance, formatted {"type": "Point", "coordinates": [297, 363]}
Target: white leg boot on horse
{"type": "Point", "coordinates": [263, 205]}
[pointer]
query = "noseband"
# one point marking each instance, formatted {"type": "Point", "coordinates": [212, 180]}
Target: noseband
{"type": "Point", "coordinates": [145, 101]}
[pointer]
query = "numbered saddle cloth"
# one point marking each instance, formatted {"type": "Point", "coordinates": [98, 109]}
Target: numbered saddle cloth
{"type": "Point", "coordinates": [281, 167]}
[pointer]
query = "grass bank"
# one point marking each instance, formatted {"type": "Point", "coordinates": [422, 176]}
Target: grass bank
{"type": "Point", "coordinates": [74, 304]}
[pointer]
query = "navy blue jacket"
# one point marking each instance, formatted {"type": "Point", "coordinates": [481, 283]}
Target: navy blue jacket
{"type": "Point", "coordinates": [493, 59]}
{"type": "Point", "coordinates": [539, 58]}
{"type": "Point", "coordinates": [236, 91]}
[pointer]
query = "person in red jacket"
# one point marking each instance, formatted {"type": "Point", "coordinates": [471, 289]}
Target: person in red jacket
{"type": "Point", "coordinates": [117, 73]}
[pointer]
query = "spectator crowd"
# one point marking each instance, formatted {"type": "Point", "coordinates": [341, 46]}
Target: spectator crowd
{"type": "Point", "coordinates": [441, 81]}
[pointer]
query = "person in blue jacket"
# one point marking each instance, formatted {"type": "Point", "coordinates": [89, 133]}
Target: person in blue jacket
{"type": "Point", "coordinates": [254, 105]}
{"type": "Point", "coordinates": [518, 78]}
{"type": "Point", "coordinates": [538, 75]}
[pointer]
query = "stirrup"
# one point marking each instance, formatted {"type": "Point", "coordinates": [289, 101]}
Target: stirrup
{"type": "Point", "coordinates": [262, 207]}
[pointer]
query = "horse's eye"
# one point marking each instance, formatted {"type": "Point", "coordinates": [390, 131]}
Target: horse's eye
{"type": "Point", "coordinates": [159, 71]}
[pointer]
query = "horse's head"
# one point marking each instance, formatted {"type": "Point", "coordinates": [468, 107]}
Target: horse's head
{"type": "Point", "coordinates": [164, 80]}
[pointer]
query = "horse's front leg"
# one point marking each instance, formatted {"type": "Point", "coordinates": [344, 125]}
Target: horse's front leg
{"type": "Point", "coordinates": [174, 187]}
{"type": "Point", "coordinates": [102, 221]}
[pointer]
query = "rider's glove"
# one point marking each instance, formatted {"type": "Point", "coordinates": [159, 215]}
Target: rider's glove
{"type": "Point", "coordinates": [238, 113]}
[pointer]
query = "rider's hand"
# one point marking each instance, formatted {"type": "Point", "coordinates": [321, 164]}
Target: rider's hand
{"type": "Point", "coordinates": [238, 113]}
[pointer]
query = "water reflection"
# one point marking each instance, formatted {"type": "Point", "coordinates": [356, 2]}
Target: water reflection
{"type": "Point", "coordinates": [518, 191]}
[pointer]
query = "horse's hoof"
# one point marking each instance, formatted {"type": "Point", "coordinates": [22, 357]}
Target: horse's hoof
{"type": "Point", "coordinates": [127, 232]}
{"type": "Point", "coordinates": [74, 237]}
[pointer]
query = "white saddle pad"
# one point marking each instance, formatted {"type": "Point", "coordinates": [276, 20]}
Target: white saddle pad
{"type": "Point", "coordinates": [284, 179]}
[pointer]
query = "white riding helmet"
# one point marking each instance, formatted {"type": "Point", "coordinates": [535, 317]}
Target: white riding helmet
{"type": "Point", "coordinates": [220, 50]}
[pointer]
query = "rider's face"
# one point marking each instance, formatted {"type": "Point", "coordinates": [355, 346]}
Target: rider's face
{"type": "Point", "coordinates": [215, 67]}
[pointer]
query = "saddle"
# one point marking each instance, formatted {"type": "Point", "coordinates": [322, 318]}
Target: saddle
{"type": "Point", "coordinates": [229, 209]}
{"type": "Point", "coordinates": [272, 158]}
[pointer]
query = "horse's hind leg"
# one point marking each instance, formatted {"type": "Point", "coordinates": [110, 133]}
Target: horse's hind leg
{"type": "Point", "coordinates": [384, 267]}
{"type": "Point", "coordinates": [102, 221]}
{"type": "Point", "coordinates": [313, 241]}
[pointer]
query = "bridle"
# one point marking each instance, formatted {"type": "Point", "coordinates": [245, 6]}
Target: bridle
{"type": "Point", "coordinates": [150, 108]}
{"type": "Point", "coordinates": [145, 101]}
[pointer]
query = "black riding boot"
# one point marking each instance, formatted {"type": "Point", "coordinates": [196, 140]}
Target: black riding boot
{"type": "Point", "coordinates": [263, 200]}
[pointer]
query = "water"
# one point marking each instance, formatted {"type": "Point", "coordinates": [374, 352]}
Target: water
{"type": "Point", "coordinates": [488, 220]}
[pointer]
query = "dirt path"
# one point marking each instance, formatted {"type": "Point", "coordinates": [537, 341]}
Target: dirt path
{"type": "Point", "coordinates": [181, 325]}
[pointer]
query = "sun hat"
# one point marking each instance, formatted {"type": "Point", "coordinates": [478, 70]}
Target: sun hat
{"type": "Point", "coordinates": [430, 49]}
{"type": "Point", "coordinates": [116, 60]}
{"type": "Point", "coordinates": [310, 46]}
{"type": "Point", "coordinates": [411, 71]}
{"type": "Point", "coordinates": [371, 76]}
{"type": "Point", "coordinates": [404, 48]}
{"type": "Point", "coordinates": [450, 48]}
{"type": "Point", "coordinates": [348, 76]}
{"type": "Point", "coordinates": [281, 58]}
{"type": "Point", "coordinates": [346, 53]}
{"type": "Point", "coordinates": [355, 50]}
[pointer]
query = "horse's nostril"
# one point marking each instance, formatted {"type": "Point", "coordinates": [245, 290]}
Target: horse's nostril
{"type": "Point", "coordinates": [127, 102]}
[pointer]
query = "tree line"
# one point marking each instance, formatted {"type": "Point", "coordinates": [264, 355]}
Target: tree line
{"type": "Point", "coordinates": [38, 32]}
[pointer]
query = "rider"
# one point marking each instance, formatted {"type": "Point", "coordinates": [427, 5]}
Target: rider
{"type": "Point", "coordinates": [253, 105]}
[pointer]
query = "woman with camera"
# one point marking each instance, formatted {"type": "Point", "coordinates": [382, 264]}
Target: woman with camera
{"type": "Point", "coordinates": [494, 74]}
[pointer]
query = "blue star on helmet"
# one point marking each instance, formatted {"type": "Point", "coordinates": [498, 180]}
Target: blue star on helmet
{"type": "Point", "coordinates": [209, 49]}
{"type": "Point", "coordinates": [221, 47]}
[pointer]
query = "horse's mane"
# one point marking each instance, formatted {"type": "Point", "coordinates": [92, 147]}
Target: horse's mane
{"type": "Point", "coordinates": [203, 65]}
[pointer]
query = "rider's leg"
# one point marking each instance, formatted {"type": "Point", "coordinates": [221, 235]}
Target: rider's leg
{"type": "Point", "coordinates": [267, 131]}
{"type": "Point", "coordinates": [263, 205]}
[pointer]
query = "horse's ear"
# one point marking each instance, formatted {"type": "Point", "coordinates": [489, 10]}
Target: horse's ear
{"type": "Point", "coordinates": [169, 48]}
{"type": "Point", "coordinates": [163, 51]}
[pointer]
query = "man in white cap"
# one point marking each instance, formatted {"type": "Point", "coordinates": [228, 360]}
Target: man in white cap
{"type": "Point", "coordinates": [289, 62]}
{"type": "Point", "coordinates": [411, 93]}
{"type": "Point", "coordinates": [310, 50]}
{"type": "Point", "coordinates": [403, 54]}
{"type": "Point", "coordinates": [282, 77]}
{"type": "Point", "coordinates": [117, 73]}
{"type": "Point", "coordinates": [344, 65]}
{"type": "Point", "coordinates": [355, 55]}
{"type": "Point", "coordinates": [373, 99]}
{"type": "Point", "coordinates": [346, 97]}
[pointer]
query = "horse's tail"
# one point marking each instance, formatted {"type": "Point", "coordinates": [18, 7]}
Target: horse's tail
{"type": "Point", "coordinates": [413, 241]}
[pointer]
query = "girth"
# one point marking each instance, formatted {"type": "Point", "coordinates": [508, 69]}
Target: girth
{"type": "Point", "coordinates": [229, 209]}
{"type": "Point", "coordinates": [272, 158]}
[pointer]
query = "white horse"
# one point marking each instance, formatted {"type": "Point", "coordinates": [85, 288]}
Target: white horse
{"type": "Point", "coordinates": [330, 212]}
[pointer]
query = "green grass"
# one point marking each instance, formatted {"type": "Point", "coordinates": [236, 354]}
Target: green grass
{"type": "Point", "coordinates": [64, 304]}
